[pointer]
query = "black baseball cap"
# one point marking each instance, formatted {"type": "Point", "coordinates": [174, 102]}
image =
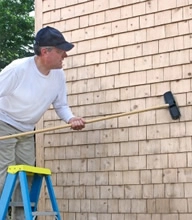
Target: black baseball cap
{"type": "Point", "coordinates": [49, 36]}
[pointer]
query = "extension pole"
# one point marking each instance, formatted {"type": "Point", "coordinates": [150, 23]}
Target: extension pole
{"type": "Point", "coordinates": [86, 122]}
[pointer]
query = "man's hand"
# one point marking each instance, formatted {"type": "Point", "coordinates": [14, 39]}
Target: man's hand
{"type": "Point", "coordinates": [77, 123]}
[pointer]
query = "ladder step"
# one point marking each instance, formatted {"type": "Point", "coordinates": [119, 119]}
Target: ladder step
{"type": "Point", "coordinates": [44, 213]}
{"type": "Point", "coordinates": [20, 204]}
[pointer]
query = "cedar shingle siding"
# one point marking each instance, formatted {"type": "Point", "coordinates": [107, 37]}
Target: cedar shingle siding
{"type": "Point", "coordinates": [127, 54]}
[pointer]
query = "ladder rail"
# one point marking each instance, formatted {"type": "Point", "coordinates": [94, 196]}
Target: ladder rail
{"type": "Point", "coordinates": [6, 194]}
{"type": "Point", "coordinates": [35, 190]}
{"type": "Point", "coordinates": [52, 195]}
{"type": "Point", "coordinates": [25, 195]}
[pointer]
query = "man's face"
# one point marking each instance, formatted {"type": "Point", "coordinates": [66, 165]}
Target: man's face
{"type": "Point", "coordinates": [54, 57]}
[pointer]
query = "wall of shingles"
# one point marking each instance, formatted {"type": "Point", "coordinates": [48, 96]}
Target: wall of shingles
{"type": "Point", "coordinates": [127, 54]}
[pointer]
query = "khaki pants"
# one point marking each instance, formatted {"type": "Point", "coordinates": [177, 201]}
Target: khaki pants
{"type": "Point", "coordinates": [15, 151]}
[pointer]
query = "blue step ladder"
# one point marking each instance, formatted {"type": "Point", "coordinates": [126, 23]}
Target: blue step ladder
{"type": "Point", "coordinates": [29, 197]}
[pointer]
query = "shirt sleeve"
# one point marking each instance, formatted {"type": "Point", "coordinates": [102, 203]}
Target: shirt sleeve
{"type": "Point", "coordinates": [8, 80]}
{"type": "Point", "coordinates": [60, 104]}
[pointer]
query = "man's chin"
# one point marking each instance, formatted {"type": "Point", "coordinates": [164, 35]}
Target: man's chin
{"type": "Point", "coordinates": [57, 67]}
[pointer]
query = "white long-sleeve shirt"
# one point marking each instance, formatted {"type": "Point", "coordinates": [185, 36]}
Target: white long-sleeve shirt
{"type": "Point", "coordinates": [25, 94]}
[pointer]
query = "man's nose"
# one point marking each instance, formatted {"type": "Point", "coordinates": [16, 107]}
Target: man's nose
{"type": "Point", "coordinates": [64, 54]}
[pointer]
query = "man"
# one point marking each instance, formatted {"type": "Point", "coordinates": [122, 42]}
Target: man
{"type": "Point", "coordinates": [28, 86]}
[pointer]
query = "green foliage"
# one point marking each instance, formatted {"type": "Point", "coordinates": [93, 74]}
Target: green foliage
{"type": "Point", "coordinates": [16, 30]}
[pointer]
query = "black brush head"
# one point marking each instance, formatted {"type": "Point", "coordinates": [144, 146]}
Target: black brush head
{"type": "Point", "coordinates": [173, 108]}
